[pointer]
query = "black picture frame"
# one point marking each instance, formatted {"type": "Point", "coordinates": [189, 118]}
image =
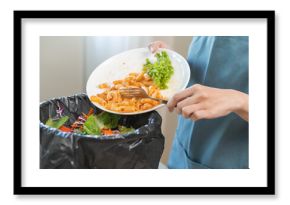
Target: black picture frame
{"type": "Point", "coordinates": [268, 190]}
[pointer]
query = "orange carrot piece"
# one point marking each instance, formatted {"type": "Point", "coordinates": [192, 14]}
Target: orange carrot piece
{"type": "Point", "coordinates": [65, 129]}
{"type": "Point", "coordinates": [107, 131]}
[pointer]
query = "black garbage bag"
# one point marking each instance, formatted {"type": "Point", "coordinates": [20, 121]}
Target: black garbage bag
{"type": "Point", "coordinates": [141, 149]}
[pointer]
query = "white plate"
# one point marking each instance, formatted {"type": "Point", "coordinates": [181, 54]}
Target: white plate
{"type": "Point", "coordinates": [120, 65]}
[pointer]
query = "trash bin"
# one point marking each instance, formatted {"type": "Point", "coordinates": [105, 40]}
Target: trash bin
{"type": "Point", "coordinates": [141, 149]}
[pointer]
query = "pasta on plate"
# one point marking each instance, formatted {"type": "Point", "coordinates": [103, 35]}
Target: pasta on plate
{"type": "Point", "coordinates": [111, 98]}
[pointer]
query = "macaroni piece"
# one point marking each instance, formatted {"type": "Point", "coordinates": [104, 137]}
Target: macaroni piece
{"type": "Point", "coordinates": [111, 98]}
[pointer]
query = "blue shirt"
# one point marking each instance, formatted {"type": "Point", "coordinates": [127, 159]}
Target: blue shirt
{"type": "Point", "coordinates": [222, 143]}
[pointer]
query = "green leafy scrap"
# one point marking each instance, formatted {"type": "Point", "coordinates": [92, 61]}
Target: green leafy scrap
{"type": "Point", "coordinates": [161, 70]}
{"type": "Point", "coordinates": [57, 123]}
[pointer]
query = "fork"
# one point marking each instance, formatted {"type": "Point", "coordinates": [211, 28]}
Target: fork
{"type": "Point", "coordinates": [138, 93]}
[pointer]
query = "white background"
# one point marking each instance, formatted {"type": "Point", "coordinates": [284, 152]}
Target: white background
{"type": "Point", "coordinates": [282, 100]}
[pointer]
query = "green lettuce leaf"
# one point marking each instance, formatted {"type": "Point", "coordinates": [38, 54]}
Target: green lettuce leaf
{"type": "Point", "coordinates": [124, 129]}
{"type": "Point", "coordinates": [92, 126]}
{"type": "Point", "coordinates": [161, 70]}
{"type": "Point", "coordinates": [95, 123]}
{"type": "Point", "coordinates": [56, 123]}
{"type": "Point", "coordinates": [108, 120]}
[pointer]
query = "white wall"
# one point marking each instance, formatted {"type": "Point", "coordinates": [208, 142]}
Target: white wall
{"type": "Point", "coordinates": [61, 66]}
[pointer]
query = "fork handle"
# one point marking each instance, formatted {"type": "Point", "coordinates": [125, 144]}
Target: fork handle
{"type": "Point", "coordinates": [164, 101]}
{"type": "Point", "coordinates": [160, 100]}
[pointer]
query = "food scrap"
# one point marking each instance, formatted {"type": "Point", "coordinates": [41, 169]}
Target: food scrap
{"type": "Point", "coordinates": [161, 70]}
{"type": "Point", "coordinates": [90, 124]}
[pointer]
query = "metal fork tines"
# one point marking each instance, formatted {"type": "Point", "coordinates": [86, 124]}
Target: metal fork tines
{"type": "Point", "coordinates": [137, 93]}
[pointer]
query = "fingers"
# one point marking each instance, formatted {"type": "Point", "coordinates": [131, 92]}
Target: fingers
{"type": "Point", "coordinates": [154, 46]}
{"type": "Point", "coordinates": [198, 115]}
{"type": "Point", "coordinates": [194, 99]}
{"type": "Point", "coordinates": [181, 96]}
{"type": "Point", "coordinates": [186, 102]}
{"type": "Point", "coordinates": [178, 97]}
{"type": "Point", "coordinates": [194, 112]}
{"type": "Point", "coordinates": [190, 103]}
{"type": "Point", "coordinates": [188, 111]}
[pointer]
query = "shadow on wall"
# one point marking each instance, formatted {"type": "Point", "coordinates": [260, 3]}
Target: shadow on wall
{"type": "Point", "coordinates": [66, 62]}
